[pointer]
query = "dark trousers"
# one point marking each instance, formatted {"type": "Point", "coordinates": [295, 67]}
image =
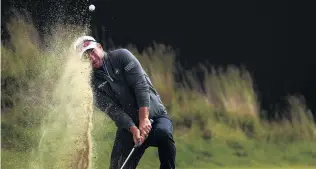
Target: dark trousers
{"type": "Point", "coordinates": [161, 136]}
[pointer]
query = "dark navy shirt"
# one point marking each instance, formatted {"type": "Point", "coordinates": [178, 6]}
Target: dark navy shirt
{"type": "Point", "coordinates": [122, 86]}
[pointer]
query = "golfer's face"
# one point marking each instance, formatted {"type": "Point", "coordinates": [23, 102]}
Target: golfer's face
{"type": "Point", "coordinates": [94, 55]}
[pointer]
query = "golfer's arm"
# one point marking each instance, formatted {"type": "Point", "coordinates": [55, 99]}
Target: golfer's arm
{"type": "Point", "coordinates": [108, 106]}
{"type": "Point", "coordinates": [135, 77]}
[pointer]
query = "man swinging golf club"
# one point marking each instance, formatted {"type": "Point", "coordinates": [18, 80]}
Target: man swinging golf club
{"type": "Point", "coordinates": [122, 89]}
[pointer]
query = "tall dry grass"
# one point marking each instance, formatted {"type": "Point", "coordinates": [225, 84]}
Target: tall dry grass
{"type": "Point", "coordinates": [229, 100]}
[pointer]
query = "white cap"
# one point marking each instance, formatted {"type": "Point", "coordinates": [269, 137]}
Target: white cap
{"type": "Point", "coordinates": [84, 43]}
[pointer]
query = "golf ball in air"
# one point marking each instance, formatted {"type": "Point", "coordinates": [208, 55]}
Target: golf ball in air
{"type": "Point", "coordinates": [91, 7]}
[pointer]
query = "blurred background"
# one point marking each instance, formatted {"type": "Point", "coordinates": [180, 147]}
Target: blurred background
{"type": "Point", "coordinates": [274, 40]}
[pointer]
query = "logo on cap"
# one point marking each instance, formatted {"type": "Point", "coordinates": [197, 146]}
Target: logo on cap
{"type": "Point", "coordinates": [81, 46]}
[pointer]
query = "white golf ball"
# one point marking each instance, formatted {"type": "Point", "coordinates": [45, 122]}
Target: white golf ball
{"type": "Point", "coordinates": [91, 7]}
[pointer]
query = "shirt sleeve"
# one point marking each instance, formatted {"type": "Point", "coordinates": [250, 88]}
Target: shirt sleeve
{"type": "Point", "coordinates": [135, 76]}
{"type": "Point", "coordinates": [108, 106]}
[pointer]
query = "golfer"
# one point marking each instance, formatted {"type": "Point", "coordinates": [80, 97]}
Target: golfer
{"type": "Point", "coordinates": [123, 90]}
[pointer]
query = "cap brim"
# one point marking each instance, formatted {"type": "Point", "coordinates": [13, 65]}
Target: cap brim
{"type": "Point", "coordinates": [92, 45]}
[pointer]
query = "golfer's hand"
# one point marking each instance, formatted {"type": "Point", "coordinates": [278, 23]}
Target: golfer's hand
{"type": "Point", "coordinates": [144, 127]}
{"type": "Point", "coordinates": [138, 139]}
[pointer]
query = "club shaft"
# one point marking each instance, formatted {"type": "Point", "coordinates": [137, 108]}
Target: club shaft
{"type": "Point", "coordinates": [128, 158]}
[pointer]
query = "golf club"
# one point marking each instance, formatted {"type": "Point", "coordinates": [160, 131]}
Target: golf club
{"type": "Point", "coordinates": [135, 146]}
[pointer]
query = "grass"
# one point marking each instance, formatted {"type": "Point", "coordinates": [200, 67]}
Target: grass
{"type": "Point", "coordinates": [221, 128]}
{"type": "Point", "coordinates": [20, 160]}
{"type": "Point", "coordinates": [197, 152]}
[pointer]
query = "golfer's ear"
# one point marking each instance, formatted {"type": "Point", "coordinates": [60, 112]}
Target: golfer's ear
{"type": "Point", "coordinates": [100, 46]}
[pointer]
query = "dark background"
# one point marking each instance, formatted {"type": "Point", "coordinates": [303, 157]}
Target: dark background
{"type": "Point", "coordinates": [274, 40]}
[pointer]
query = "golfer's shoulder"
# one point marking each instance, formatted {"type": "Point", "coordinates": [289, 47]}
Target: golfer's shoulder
{"type": "Point", "coordinates": [121, 54]}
